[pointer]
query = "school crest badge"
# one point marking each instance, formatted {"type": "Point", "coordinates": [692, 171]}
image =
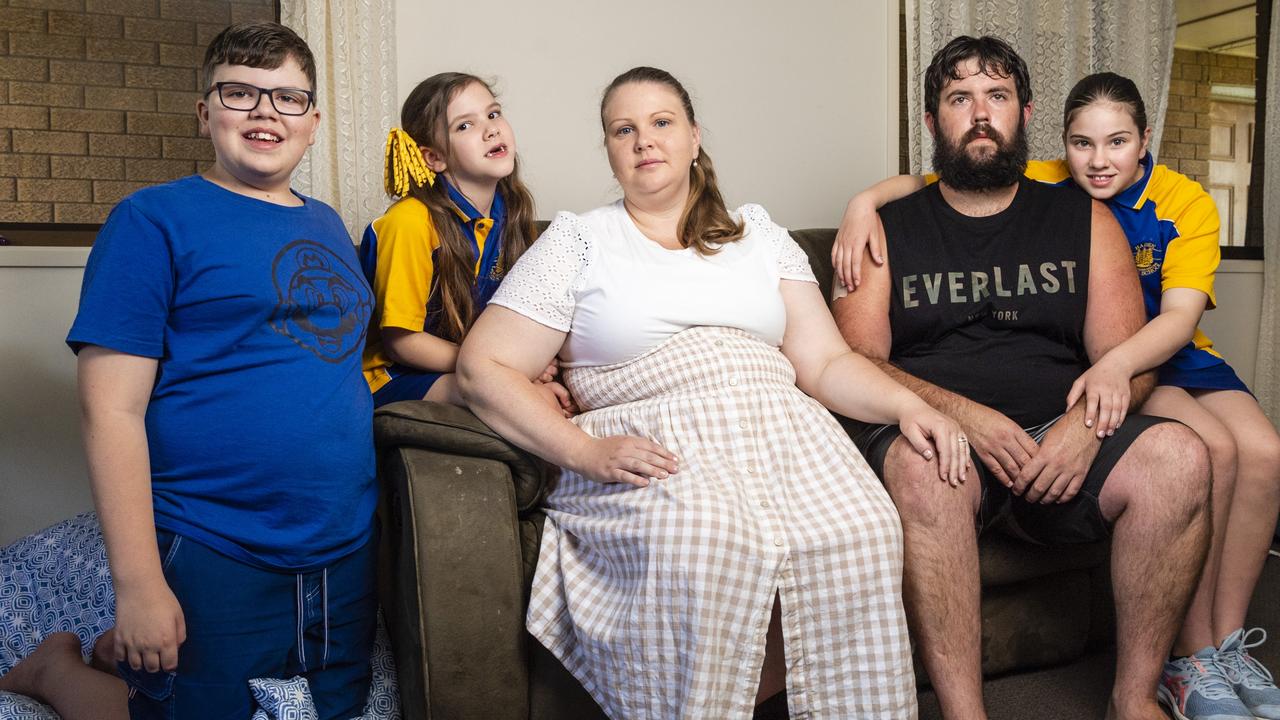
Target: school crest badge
{"type": "Point", "coordinates": [1144, 257]}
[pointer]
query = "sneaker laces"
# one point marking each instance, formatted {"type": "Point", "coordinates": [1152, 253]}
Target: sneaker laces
{"type": "Point", "coordinates": [1207, 679]}
{"type": "Point", "coordinates": [1243, 668]}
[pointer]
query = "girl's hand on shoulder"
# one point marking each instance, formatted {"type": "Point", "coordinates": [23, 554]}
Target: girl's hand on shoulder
{"type": "Point", "coordinates": [627, 459]}
{"type": "Point", "coordinates": [935, 435]}
{"type": "Point", "coordinates": [149, 626]}
{"type": "Point", "coordinates": [860, 230]}
{"type": "Point", "coordinates": [1105, 389]}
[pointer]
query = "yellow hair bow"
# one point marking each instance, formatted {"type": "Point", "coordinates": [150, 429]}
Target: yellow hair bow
{"type": "Point", "coordinates": [404, 162]}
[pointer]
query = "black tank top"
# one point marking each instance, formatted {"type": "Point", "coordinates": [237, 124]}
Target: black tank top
{"type": "Point", "coordinates": [992, 308]}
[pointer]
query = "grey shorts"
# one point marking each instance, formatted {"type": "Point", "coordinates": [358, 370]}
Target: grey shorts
{"type": "Point", "coordinates": [1079, 520]}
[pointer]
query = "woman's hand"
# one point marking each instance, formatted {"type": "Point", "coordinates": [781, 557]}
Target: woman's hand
{"type": "Point", "coordinates": [1105, 388]}
{"type": "Point", "coordinates": [626, 459]}
{"type": "Point", "coordinates": [933, 434]}
{"type": "Point", "coordinates": [149, 626]}
{"type": "Point", "coordinates": [860, 230]}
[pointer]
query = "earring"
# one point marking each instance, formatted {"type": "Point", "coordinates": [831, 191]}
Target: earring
{"type": "Point", "coordinates": [695, 162]}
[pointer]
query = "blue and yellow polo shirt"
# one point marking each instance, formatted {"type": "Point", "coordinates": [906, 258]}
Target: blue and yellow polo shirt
{"type": "Point", "coordinates": [399, 253]}
{"type": "Point", "coordinates": [1172, 227]}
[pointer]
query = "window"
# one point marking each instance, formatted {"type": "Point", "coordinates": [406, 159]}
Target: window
{"type": "Point", "coordinates": [1216, 100]}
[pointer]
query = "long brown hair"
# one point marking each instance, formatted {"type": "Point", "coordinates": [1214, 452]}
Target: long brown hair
{"type": "Point", "coordinates": [424, 117]}
{"type": "Point", "coordinates": [705, 223]}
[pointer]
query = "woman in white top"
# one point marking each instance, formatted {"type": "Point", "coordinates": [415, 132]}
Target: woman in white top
{"type": "Point", "coordinates": [706, 503]}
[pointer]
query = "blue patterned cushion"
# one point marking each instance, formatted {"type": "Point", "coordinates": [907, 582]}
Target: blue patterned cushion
{"type": "Point", "coordinates": [283, 699]}
{"type": "Point", "coordinates": [384, 691]}
{"type": "Point", "coordinates": [57, 580]}
{"type": "Point", "coordinates": [21, 707]}
{"type": "Point", "coordinates": [53, 581]}
{"type": "Point", "coordinates": [291, 699]}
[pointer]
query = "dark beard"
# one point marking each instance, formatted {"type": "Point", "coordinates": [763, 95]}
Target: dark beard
{"type": "Point", "coordinates": [958, 169]}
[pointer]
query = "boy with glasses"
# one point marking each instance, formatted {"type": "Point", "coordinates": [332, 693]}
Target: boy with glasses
{"type": "Point", "coordinates": [226, 422]}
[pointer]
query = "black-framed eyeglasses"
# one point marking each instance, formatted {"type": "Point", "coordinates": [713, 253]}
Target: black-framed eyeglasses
{"type": "Point", "coordinates": [245, 97]}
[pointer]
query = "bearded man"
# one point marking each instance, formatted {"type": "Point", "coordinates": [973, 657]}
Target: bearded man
{"type": "Point", "coordinates": [997, 294]}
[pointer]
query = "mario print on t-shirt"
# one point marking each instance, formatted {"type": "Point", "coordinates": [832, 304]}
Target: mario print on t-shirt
{"type": "Point", "coordinates": [321, 306]}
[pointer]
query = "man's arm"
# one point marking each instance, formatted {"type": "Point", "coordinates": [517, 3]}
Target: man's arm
{"type": "Point", "coordinates": [1113, 314]}
{"type": "Point", "coordinates": [1115, 310]}
{"type": "Point", "coordinates": [863, 319]}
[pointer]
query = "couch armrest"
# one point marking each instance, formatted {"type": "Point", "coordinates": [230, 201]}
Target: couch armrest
{"type": "Point", "coordinates": [453, 430]}
{"type": "Point", "coordinates": [452, 580]}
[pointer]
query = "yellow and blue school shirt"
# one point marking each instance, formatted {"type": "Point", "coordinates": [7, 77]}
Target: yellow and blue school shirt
{"type": "Point", "coordinates": [1171, 224]}
{"type": "Point", "coordinates": [398, 254]}
{"type": "Point", "coordinates": [1172, 227]}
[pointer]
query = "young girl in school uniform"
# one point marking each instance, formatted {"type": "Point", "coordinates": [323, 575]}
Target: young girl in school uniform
{"type": "Point", "coordinates": [462, 218]}
{"type": "Point", "coordinates": [1172, 227]}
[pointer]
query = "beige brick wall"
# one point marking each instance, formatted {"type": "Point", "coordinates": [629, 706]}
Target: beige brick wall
{"type": "Point", "coordinates": [1185, 144]}
{"type": "Point", "coordinates": [97, 99]}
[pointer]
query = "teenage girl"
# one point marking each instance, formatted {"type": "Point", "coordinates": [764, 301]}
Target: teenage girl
{"type": "Point", "coordinates": [1172, 227]}
{"type": "Point", "coordinates": [438, 254]}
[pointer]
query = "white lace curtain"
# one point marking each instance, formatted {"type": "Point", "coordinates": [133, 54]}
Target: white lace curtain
{"type": "Point", "coordinates": [1061, 42]}
{"type": "Point", "coordinates": [354, 45]}
{"type": "Point", "coordinates": [1266, 383]}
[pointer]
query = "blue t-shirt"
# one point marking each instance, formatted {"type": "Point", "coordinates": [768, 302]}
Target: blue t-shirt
{"type": "Point", "coordinates": [260, 422]}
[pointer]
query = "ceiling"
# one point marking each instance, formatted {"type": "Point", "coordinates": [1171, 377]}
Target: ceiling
{"type": "Point", "coordinates": [1224, 26]}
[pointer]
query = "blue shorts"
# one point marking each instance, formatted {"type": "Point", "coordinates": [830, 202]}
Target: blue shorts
{"type": "Point", "coordinates": [1214, 377]}
{"type": "Point", "coordinates": [405, 384]}
{"type": "Point", "coordinates": [244, 622]}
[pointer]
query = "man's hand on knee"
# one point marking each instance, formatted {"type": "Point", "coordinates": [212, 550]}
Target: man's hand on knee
{"type": "Point", "coordinates": [1058, 469]}
{"type": "Point", "coordinates": [1000, 444]}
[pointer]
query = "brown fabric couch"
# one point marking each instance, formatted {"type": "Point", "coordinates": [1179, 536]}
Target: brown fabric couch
{"type": "Point", "coordinates": [461, 527]}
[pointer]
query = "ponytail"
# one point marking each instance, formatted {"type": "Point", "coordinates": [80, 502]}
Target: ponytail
{"type": "Point", "coordinates": [404, 166]}
{"type": "Point", "coordinates": [706, 224]}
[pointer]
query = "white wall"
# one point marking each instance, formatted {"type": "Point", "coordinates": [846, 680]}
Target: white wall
{"type": "Point", "coordinates": [42, 470]}
{"type": "Point", "coordinates": [1233, 325]}
{"type": "Point", "coordinates": [798, 100]}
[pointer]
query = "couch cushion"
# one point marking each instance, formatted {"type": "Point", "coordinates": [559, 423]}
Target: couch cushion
{"type": "Point", "coordinates": [1007, 560]}
{"type": "Point", "coordinates": [816, 243]}
{"type": "Point", "coordinates": [1036, 623]}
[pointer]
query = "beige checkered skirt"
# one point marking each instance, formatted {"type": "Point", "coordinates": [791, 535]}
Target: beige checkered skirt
{"type": "Point", "coordinates": [657, 599]}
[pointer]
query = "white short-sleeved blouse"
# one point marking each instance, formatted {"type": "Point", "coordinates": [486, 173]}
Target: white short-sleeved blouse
{"type": "Point", "coordinates": [619, 294]}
